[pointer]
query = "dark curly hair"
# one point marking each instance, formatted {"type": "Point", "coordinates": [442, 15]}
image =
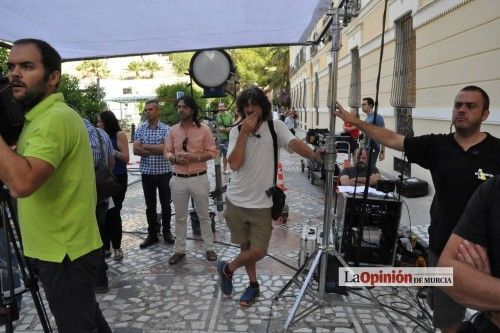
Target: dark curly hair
{"type": "Point", "coordinates": [254, 96]}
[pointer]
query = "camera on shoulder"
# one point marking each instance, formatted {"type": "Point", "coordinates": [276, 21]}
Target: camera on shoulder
{"type": "Point", "coordinates": [11, 114]}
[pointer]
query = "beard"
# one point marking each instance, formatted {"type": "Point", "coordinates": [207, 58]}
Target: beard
{"type": "Point", "coordinates": [472, 128]}
{"type": "Point", "coordinates": [32, 96]}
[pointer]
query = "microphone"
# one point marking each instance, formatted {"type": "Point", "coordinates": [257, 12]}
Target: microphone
{"type": "Point", "coordinates": [256, 135]}
{"type": "Point", "coordinates": [474, 153]}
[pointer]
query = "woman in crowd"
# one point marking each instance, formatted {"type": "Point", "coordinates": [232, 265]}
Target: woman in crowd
{"type": "Point", "coordinates": [113, 232]}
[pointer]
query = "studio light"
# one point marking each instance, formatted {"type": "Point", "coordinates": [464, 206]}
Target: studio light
{"type": "Point", "coordinates": [211, 69]}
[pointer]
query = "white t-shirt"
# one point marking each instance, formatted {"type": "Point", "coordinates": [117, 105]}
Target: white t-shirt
{"type": "Point", "coordinates": [290, 122]}
{"type": "Point", "coordinates": [249, 184]}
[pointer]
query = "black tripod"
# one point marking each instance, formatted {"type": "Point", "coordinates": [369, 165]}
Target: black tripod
{"type": "Point", "coordinates": [9, 310]}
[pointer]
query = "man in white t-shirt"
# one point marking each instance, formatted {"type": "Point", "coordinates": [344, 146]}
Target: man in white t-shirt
{"type": "Point", "coordinates": [248, 211]}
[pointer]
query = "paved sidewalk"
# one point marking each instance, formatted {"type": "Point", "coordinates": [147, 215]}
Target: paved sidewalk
{"type": "Point", "coordinates": [148, 295]}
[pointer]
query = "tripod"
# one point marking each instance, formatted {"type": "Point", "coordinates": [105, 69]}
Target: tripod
{"type": "Point", "coordinates": [8, 306]}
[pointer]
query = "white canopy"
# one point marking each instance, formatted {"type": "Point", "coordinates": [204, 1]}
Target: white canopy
{"type": "Point", "coordinates": [83, 29]}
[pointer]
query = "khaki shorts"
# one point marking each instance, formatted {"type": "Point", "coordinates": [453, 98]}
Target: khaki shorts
{"type": "Point", "coordinates": [249, 225]}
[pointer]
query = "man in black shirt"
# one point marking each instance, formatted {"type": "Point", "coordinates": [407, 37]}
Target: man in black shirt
{"type": "Point", "coordinates": [459, 162]}
{"type": "Point", "coordinates": [357, 174]}
{"type": "Point", "coordinates": [473, 251]}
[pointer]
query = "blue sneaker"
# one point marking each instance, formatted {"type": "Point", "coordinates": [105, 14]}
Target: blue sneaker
{"type": "Point", "coordinates": [249, 296]}
{"type": "Point", "coordinates": [226, 282]}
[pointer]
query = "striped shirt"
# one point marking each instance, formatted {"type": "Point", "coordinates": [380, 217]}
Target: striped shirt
{"type": "Point", "coordinates": [94, 143]}
{"type": "Point", "coordinates": [155, 164]}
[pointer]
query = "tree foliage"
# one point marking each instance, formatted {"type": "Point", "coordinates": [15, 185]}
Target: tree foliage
{"type": "Point", "coordinates": [94, 69]}
{"type": "Point", "coordinates": [168, 110]}
{"type": "Point", "coordinates": [266, 67]}
{"type": "Point", "coordinates": [152, 66]}
{"type": "Point", "coordinates": [136, 67]}
{"type": "Point", "coordinates": [88, 102]}
{"type": "Point", "coordinates": [180, 62]}
{"type": "Point", "coordinates": [4, 54]}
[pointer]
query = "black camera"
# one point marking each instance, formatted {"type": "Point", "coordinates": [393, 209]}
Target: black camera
{"type": "Point", "coordinates": [11, 114]}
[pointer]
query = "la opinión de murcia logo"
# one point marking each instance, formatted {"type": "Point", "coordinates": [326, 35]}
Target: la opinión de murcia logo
{"type": "Point", "coordinates": [395, 276]}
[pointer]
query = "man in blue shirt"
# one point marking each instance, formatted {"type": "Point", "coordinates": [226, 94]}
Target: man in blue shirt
{"type": "Point", "coordinates": [101, 282]}
{"type": "Point", "coordinates": [149, 143]}
{"type": "Point", "coordinates": [367, 107]}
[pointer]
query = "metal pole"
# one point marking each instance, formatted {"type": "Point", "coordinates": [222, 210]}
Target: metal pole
{"type": "Point", "coordinates": [330, 154]}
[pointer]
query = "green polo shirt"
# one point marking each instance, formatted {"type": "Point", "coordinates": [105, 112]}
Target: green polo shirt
{"type": "Point", "coordinates": [223, 121]}
{"type": "Point", "coordinates": [58, 219]}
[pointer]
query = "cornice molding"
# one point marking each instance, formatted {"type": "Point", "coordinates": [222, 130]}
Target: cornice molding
{"type": "Point", "coordinates": [435, 10]}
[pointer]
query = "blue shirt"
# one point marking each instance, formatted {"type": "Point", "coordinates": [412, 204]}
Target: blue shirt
{"type": "Point", "coordinates": [95, 145]}
{"type": "Point", "coordinates": [155, 164]}
{"type": "Point", "coordinates": [379, 121]}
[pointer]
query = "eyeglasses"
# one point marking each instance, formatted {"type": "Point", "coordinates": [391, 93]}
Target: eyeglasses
{"type": "Point", "coordinates": [185, 144]}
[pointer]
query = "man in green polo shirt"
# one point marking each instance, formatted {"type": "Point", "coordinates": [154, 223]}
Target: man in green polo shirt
{"type": "Point", "coordinates": [224, 124]}
{"type": "Point", "coordinates": [52, 175]}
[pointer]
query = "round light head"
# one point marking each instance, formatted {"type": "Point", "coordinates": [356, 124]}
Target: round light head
{"type": "Point", "coordinates": [211, 68]}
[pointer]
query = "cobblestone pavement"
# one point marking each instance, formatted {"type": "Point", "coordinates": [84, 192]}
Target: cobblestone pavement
{"type": "Point", "coordinates": [148, 295]}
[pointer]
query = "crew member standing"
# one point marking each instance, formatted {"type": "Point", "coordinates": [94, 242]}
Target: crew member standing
{"type": "Point", "coordinates": [459, 162]}
{"type": "Point", "coordinates": [149, 143]}
{"type": "Point", "coordinates": [224, 124]}
{"type": "Point", "coordinates": [248, 210]}
{"type": "Point", "coordinates": [188, 147]}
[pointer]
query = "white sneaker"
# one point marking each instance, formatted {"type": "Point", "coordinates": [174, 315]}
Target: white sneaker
{"type": "Point", "coordinates": [227, 172]}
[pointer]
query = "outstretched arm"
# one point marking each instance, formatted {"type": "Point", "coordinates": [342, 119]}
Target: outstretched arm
{"type": "Point", "coordinates": [386, 137]}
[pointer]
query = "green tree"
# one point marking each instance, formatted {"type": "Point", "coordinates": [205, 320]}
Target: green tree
{"type": "Point", "coordinates": [88, 102]}
{"type": "Point", "coordinates": [94, 69]}
{"type": "Point", "coordinates": [152, 66]}
{"type": "Point", "coordinates": [252, 66]}
{"type": "Point", "coordinates": [136, 67]}
{"type": "Point", "coordinates": [4, 54]}
{"type": "Point", "coordinates": [180, 62]}
{"type": "Point", "coordinates": [167, 94]}
{"type": "Point", "coordinates": [279, 75]}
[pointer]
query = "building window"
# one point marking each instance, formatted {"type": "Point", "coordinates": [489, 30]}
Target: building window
{"type": "Point", "coordinates": [403, 92]}
{"type": "Point", "coordinates": [329, 95]}
{"type": "Point", "coordinates": [316, 97]}
{"type": "Point", "coordinates": [403, 80]}
{"type": "Point", "coordinates": [304, 99]}
{"type": "Point", "coordinates": [127, 91]}
{"type": "Point", "coordinates": [355, 85]}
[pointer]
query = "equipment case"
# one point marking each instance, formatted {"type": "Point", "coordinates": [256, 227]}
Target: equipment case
{"type": "Point", "coordinates": [413, 187]}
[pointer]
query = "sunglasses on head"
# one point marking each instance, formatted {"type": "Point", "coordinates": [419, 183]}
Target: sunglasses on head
{"type": "Point", "coordinates": [185, 144]}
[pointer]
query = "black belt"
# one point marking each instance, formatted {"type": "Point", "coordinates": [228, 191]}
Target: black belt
{"type": "Point", "coordinates": [188, 175]}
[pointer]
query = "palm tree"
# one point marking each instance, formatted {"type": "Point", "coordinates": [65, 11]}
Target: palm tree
{"type": "Point", "coordinates": [152, 66]}
{"type": "Point", "coordinates": [136, 67]}
{"type": "Point", "coordinates": [94, 68]}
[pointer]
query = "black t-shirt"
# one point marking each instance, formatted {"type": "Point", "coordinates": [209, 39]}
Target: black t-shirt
{"type": "Point", "coordinates": [456, 174]}
{"type": "Point", "coordinates": [480, 222]}
{"type": "Point", "coordinates": [351, 172]}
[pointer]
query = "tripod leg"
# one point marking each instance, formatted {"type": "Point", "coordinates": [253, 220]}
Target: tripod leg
{"type": "Point", "coordinates": [294, 278]}
{"type": "Point", "coordinates": [30, 282]}
{"type": "Point", "coordinates": [309, 276]}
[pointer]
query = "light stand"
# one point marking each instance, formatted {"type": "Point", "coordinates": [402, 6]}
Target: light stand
{"type": "Point", "coordinates": [351, 9]}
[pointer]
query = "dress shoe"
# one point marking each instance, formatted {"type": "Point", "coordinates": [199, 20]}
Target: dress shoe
{"type": "Point", "coordinates": [168, 238]}
{"type": "Point", "coordinates": [176, 258]}
{"type": "Point", "coordinates": [150, 240]}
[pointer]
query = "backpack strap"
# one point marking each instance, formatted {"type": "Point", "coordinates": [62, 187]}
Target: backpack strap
{"type": "Point", "coordinates": [275, 148]}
